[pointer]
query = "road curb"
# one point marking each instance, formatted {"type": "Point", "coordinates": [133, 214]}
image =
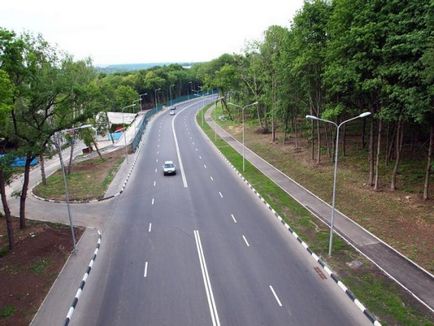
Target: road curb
{"type": "Point", "coordinates": [83, 281]}
{"type": "Point", "coordinates": [317, 258]}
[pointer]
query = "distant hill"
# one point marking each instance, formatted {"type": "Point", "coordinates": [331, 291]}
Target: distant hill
{"type": "Point", "coordinates": [110, 69]}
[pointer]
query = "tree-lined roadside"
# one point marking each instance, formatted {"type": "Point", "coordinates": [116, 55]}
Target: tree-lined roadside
{"type": "Point", "coordinates": [383, 297]}
{"type": "Point", "coordinates": [336, 60]}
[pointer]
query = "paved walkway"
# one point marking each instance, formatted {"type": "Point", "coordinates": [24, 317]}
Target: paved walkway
{"type": "Point", "coordinates": [419, 282]}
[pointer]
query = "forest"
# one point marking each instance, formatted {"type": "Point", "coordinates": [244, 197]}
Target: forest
{"type": "Point", "coordinates": [336, 60]}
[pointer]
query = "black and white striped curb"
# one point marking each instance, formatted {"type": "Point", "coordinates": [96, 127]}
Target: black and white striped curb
{"type": "Point", "coordinates": [318, 259]}
{"type": "Point", "coordinates": [83, 282]}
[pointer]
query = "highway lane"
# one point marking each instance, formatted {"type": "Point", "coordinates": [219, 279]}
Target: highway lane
{"type": "Point", "coordinates": [205, 254]}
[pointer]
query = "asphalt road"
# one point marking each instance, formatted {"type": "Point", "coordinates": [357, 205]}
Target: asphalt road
{"type": "Point", "coordinates": [199, 248]}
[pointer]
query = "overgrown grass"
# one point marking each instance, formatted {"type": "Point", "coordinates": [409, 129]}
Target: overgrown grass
{"type": "Point", "coordinates": [381, 295]}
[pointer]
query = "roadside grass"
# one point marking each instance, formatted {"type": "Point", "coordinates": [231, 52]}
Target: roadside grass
{"type": "Point", "coordinates": [7, 311]}
{"type": "Point", "coordinates": [382, 296]}
{"type": "Point", "coordinates": [88, 179]}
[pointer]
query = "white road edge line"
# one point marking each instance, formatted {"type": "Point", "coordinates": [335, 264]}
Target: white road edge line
{"type": "Point", "coordinates": [275, 296]}
{"type": "Point", "coordinates": [233, 217]}
{"type": "Point", "coordinates": [145, 273]}
{"type": "Point", "coordinates": [150, 227]}
{"type": "Point", "coordinates": [181, 166]}
{"type": "Point", "coordinates": [245, 240]}
{"type": "Point", "coordinates": [206, 281]}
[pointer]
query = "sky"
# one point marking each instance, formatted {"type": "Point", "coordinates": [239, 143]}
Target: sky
{"type": "Point", "coordinates": [131, 31]}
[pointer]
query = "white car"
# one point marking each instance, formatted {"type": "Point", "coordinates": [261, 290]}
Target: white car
{"type": "Point", "coordinates": [172, 112]}
{"type": "Point", "coordinates": [169, 168]}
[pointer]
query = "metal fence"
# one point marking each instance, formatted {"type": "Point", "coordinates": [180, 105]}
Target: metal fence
{"type": "Point", "coordinates": [150, 113]}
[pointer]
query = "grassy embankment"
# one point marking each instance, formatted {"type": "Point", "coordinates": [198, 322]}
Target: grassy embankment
{"type": "Point", "coordinates": [382, 296]}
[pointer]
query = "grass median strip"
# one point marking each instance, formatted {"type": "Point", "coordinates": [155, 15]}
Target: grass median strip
{"type": "Point", "coordinates": [88, 179]}
{"type": "Point", "coordinates": [382, 296]}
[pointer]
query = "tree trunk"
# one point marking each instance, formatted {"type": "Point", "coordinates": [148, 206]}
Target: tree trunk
{"type": "Point", "coordinates": [371, 154]}
{"type": "Point", "coordinates": [428, 164]}
{"type": "Point", "coordinates": [377, 160]}
{"type": "Point", "coordinates": [391, 146]}
{"type": "Point", "coordinates": [97, 149]}
{"type": "Point", "coordinates": [23, 197]}
{"type": "Point", "coordinates": [398, 146]}
{"type": "Point", "coordinates": [71, 153]}
{"type": "Point", "coordinates": [42, 164]}
{"type": "Point", "coordinates": [6, 210]}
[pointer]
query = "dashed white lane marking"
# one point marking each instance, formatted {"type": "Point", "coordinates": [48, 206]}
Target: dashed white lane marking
{"type": "Point", "coordinates": [145, 273]}
{"type": "Point", "coordinates": [206, 281]}
{"type": "Point", "coordinates": [153, 201]}
{"type": "Point", "coordinates": [233, 217]}
{"type": "Point", "coordinates": [156, 160]}
{"type": "Point", "coordinates": [158, 152]}
{"type": "Point", "coordinates": [221, 195]}
{"type": "Point", "coordinates": [275, 296]}
{"type": "Point", "coordinates": [197, 150]}
{"type": "Point", "coordinates": [155, 170]}
{"type": "Point", "coordinates": [212, 179]}
{"type": "Point", "coordinates": [245, 240]}
{"type": "Point", "coordinates": [150, 227]}
{"type": "Point", "coordinates": [155, 183]}
{"type": "Point", "coordinates": [158, 145]}
{"type": "Point", "coordinates": [204, 166]}
{"type": "Point", "coordinates": [200, 157]}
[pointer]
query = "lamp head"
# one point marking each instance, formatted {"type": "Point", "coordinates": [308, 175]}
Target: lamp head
{"type": "Point", "coordinates": [311, 117]}
{"type": "Point", "coordinates": [364, 114]}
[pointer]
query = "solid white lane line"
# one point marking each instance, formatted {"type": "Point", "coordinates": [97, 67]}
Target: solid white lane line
{"type": "Point", "coordinates": [155, 183]}
{"type": "Point", "coordinates": [275, 296]}
{"type": "Point", "coordinates": [150, 227]}
{"type": "Point", "coordinates": [212, 179]}
{"type": "Point", "coordinates": [153, 200]}
{"type": "Point", "coordinates": [145, 273]}
{"type": "Point", "coordinates": [245, 240]}
{"type": "Point", "coordinates": [206, 281]}
{"type": "Point", "coordinates": [233, 217]}
{"type": "Point", "coordinates": [181, 166]}
{"type": "Point", "coordinates": [221, 195]}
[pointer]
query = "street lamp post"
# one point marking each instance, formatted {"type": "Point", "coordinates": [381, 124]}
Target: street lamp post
{"type": "Point", "coordinates": [242, 110]}
{"type": "Point", "coordinates": [312, 117]}
{"type": "Point", "coordinates": [65, 181]}
{"type": "Point", "coordinates": [140, 96]}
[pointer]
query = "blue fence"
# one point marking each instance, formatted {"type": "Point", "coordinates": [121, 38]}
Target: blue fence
{"type": "Point", "coordinates": [159, 107]}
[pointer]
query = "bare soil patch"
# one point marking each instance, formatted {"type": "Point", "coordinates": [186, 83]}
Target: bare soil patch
{"type": "Point", "coordinates": [28, 271]}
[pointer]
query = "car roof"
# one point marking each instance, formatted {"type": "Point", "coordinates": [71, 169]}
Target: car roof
{"type": "Point", "coordinates": [168, 162]}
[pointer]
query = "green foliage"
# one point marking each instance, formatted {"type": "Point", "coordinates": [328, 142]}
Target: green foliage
{"type": "Point", "coordinates": [39, 266]}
